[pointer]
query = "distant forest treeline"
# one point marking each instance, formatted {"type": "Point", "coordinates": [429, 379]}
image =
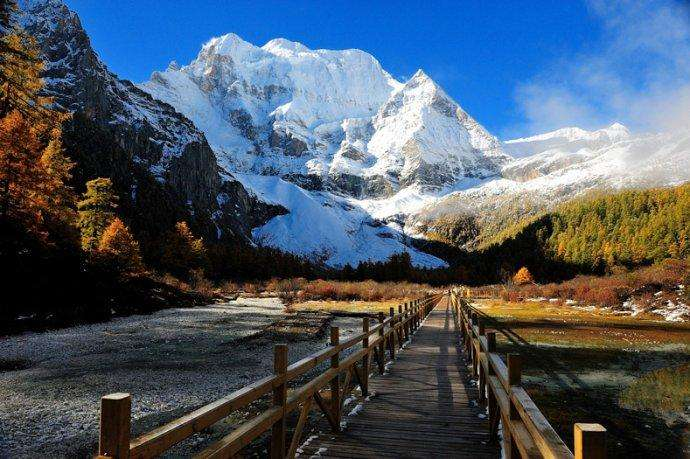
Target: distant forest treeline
{"type": "Point", "coordinates": [592, 235]}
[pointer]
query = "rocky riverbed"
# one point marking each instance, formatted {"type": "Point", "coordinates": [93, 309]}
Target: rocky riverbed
{"type": "Point", "coordinates": [171, 362]}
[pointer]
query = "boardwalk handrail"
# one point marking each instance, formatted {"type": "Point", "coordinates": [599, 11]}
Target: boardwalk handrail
{"type": "Point", "coordinates": [525, 429]}
{"type": "Point", "coordinates": [389, 334]}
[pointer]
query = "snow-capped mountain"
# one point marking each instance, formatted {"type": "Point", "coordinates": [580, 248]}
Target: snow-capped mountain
{"type": "Point", "coordinates": [326, 120]}
{"type": "Point", "coordinates": [351, 139]}
{"type": "Point", "coordinates": [560, 165]}
{"type": "Point", "coordinates": [567, 140]}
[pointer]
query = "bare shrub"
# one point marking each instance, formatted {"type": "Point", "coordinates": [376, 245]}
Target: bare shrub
{"type": "Point", "coordinates": [608, 290]}
{"type": "Point", "coordinates": [200, 284]}
{"type": "Point", "coordinates": [363, 291]}
{"type": "Point", "coordinates": [253, 288]}
{"type": "Point", "coordinates": [169, 279]}
{"type": "Point", "coordinates": [229, 287]}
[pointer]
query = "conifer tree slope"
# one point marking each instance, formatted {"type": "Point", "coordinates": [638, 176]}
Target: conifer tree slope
{"type": "Point", "coordinates": [594, 234]}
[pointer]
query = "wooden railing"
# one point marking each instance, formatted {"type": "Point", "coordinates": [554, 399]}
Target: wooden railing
{"type": "Point", "coordinates": [327, 389]}
{"type": "Point", "coordinates": [526, 432]}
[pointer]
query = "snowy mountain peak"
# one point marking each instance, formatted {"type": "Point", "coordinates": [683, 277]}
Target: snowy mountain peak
{"type": "Point", "coordinates": [571, 134]}
{"type": "Point", "coordinates": [617, 131]}
{"type": "Point", "coordinates": [570, 139]}
{"type": "Point", "coordinates": [420, 76]}
{"type": "Point", "coordinates": [328, 121]}
{"type": "Point", "coordinates": [229, 44]}
{"type": "Point", "coordinates": [285, 47]}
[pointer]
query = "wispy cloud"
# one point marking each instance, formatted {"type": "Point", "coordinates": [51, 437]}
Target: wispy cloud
{"type": "Point", "coordinates": [639, 75]}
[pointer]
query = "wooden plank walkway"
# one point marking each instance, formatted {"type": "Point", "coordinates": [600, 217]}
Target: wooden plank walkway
{"type": "Point", "coordinates": [420, 408]}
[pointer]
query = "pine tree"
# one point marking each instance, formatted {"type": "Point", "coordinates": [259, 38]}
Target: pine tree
{"type": "Point", "coordinates": [20, 71]}
{"type": "Point", "coordinates": [96, 211]}
{"type": "Point", "coordinates": [21, 174]}
{"type": "Point", "coordinates": [182, 252]}
{"type": "Point", "coordinates": [523, 276]}
{"type": "Point", "coordinates": [118, 249]}
{"type": "Point", "coordinates": [35, 202]}
{"type": "Point", "coordinates": [60, 200]}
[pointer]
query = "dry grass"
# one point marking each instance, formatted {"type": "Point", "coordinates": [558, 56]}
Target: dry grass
{"type": "Point", "coordinates": [558, 324]}
{"type": "Point", "coordinates": [347, 306]}
{"type": "Point", "coordinates": [360, 291]}
{"type": "Point", "coordinates": [590, 365]}
{"type": "Point", "coordinates": [301, 290]}
{"type": "Point", "coordinates": [663, 390]}
{"type": "Point", "coordinates": [609, 290]}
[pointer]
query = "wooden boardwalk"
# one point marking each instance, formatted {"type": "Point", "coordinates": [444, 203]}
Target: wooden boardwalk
{"type": "Point", "coordinates": [421, 407]}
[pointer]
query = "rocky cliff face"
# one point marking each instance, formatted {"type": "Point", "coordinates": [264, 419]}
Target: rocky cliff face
{"type": "Point", "coordinates": [161, 163]}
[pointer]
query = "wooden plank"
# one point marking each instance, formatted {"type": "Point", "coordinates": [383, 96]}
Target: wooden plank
{"type": "Point", "coordinates": [161, 439]}
{"type": "Point", "coordinates": [335, 381]}
{"type": "Point", "coordinates": [311, 361]}
{"type": "Point", "coordinates": [545, 437]}
{"type": "Point", "coordinates": [421, 407]}
{"type": "Point", "coordinates": [523, 440]}
{"type": "Point", "coordinates": [366, 360]}
{"type": "Point", "coordinates": [232, 443]}
{"type": "Point", "coordinates": [325, 409]}
{"type": "Point", "coordinates": [278, 431]}
{"type": "Point", "coordinates": [297, 434]}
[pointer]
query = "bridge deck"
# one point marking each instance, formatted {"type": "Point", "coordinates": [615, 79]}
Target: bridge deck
{"type": "Point", "coordinates": [420, 408]}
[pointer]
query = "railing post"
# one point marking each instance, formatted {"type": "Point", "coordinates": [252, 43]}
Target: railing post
{"type": "Point", "coordinates": [407, 322]}
{"type": "Point", "coordinates": [335, 382]}
{"type": "Point", "coordinates": [494, 412]}
{"type": "Point", "coordinates": [366, 358]}
{"type": "Point", "coordinates": [116, 422]}
{"type": "Point", "coordinates": [382, 345]}
{"type": "Point", "coordinates": [413, 319]}
{"type": "Point", "coordinates": [401, 327]}
{"type": "Point", "coordinates": [590, 441]}
{"type": "Point", "coordinates": [491, 346]}
{"type": "Point", "coordinates": [480, 368]}
{"type": "Point", "coordinates": [514, 378]}
{"type": "Point", "coordinates": [391, 340]}
{"type": "Point", "coordinates": [514, 369]}
{"type": "Point", "coordinates": [280, 364]}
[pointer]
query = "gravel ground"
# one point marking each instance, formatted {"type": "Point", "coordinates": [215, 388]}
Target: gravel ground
{"type": "Point", "coordinates": [171, 362]}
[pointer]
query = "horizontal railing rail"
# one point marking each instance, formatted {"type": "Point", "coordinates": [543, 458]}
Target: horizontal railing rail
{"type": "Point", "coordinates": [328, 390]}
{"type": "Point", "coordinates": [526, 432]}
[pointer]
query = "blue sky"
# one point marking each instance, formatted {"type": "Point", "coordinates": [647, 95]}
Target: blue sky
{"type": "Point", "coordinates": [513, 65]}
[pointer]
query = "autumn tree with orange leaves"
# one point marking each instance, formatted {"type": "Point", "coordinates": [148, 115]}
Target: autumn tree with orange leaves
{"type": "Point", "coordinates": [36, 205]}
{"type": "Point", "coordinates": [118, 249]}
{"type": "Point", "coordinates": [523, 276]}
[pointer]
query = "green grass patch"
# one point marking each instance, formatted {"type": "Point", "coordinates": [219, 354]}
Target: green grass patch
{"type": "Point", "coordinates": [663, 390]}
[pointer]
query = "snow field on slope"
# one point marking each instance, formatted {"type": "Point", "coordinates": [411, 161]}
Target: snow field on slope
{"type": "Point", "coordinates": [320, 224]}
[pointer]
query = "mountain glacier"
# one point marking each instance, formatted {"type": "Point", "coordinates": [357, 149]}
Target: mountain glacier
{"type": "Point", "coordinates": [326, 120]}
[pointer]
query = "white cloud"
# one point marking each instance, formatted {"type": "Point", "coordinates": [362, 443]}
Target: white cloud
{"type": "Point", "coordinates": [639, 75]}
